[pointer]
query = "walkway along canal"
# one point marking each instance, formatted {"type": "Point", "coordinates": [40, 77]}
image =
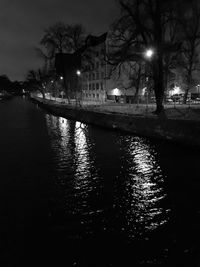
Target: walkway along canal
{"type": "Point", "coordinates": [181, 131]}
{"type": "Point", "coordinates": [73, 194]}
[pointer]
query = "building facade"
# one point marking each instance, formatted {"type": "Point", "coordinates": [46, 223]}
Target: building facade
{"type": "Point", "coordinates": [94, 69]}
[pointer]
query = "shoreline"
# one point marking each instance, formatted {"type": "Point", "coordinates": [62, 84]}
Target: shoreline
{"type": "Point", "coordinates": [180, 131]}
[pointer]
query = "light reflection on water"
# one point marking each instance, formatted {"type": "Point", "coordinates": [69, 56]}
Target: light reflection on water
{"type": "Point", "coordinates": [137, 201]}
{"type": "Point", "coordinates": [144, 191]}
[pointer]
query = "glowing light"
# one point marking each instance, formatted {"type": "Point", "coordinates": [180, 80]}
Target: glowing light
{"type": "Point", "coordinates": [61, 77]}
{"type": "Point", "coordinates": [78, 72]}
{"type": "Point", "coordinates": [176, 91]}
{"type": "Point", "coordinates": [149, 53]}
{"type": "Point", "coordinates": [116, 91]}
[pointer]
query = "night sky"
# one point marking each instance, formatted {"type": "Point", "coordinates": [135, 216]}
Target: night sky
{"type": "Point", "coordinates": [22, 24]}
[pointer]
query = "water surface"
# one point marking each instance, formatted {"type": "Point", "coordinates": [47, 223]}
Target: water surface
{"type": "Point", "coordinates": [78, 195]}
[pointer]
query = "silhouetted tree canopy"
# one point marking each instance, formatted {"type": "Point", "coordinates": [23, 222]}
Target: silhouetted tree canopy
{"type": "Point", "coordinates": [145, 24]}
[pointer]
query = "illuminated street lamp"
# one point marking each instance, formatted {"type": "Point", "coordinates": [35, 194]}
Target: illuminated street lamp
{"type": "Point", "coordinates": [149, 53]}
{"type": "Point", "coordinates": [78, 72]}
{"type": "Point", "coordinates": [61, 77]}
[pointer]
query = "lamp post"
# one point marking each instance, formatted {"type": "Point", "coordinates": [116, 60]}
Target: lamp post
{"type": "Point", "coordinates": [78, 73]}
{"type": "Point", "coordinates": [148, 54]}
{"type": "Point", "coordinates": [198, 86]}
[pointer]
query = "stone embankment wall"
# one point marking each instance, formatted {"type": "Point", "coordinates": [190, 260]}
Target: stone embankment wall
{"type": "Point", "coordinates": [185, 132]}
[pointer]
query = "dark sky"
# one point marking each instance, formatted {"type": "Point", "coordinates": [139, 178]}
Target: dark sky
{"type": "Point", "coordinates": [22, 24]}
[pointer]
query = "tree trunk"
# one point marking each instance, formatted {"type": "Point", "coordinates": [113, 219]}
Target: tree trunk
{"type": "Point", "coordinates": [185, 96]}
{"type": "Point", "coordinates": [159, 86]}
{"type": "Point", "coordinates": [135, 97]}
{"type": "Point", "coordinates": [43, 93]}
{"type": "Point", "coordinates": [188, 86]}
{"type": "Point", "coordinates": [67, 89]}
{"type": "Point", "coordinates": [159, 94]}
{"type": "Point", "coordinates": [137, 85]}
{"type": "Point", "coordinates": [158, 63]}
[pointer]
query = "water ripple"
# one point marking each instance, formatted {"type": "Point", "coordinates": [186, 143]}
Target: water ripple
{"type": "Point", "coordinates": [129, 187]}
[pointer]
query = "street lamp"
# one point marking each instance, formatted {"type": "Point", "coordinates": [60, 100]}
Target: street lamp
{"type": "Point", "coordinates": [61, 77]}
{"type": "Point", "coordinates": [78, 72]}
{"type": "Point", "coordinates": [149, 53]}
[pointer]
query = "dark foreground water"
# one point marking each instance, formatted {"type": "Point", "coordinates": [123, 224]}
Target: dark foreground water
{"type": "Point", "coordinates": [77, 195]}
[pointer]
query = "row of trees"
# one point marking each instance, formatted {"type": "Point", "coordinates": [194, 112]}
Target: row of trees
{"type": "Point", "coordinates": [171, 28]}
{"type": "Point", "coordinates": [6, 85]}
{"type": "Point", "coordinates": [59, 38]}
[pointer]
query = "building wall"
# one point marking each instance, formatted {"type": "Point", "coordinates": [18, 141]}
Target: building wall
{"type": "Point", "coordinates": [93, 78]}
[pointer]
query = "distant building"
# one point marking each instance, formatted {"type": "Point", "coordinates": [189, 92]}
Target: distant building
{"type": "Point", "coordinates": [96, 81]}
{"type": "Point", "coordinates": [94, 69]}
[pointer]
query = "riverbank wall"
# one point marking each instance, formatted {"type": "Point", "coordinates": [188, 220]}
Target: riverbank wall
{"type": "Point", "coordinates": [185, 132]}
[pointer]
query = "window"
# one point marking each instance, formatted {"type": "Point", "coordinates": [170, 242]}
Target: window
{"type": "Point", "coordinates": [93, 76]}
{"type": "Point", "coordinates": [101, 84]}
{"type": "Point", "coordinates": [97, 76]}
{"type": "Point", "coordinates": [97, 65]}
{"type": "Point", "coordinates": [102, 75]}
{"type": "Point", "coordinates": [93, 86]}
{"type": "Point", "coordinates": [89, 86]}
{"type": "Point", "coordinates": [94, 95]}
{"type": "Point", "coordinates": [97, 86]}
{"type": "Point", "coordinates": [97, 95]}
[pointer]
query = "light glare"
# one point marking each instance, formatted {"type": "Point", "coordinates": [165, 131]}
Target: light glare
{"type": "Point", "coordinates": [78, 72]}
{"type": "Point", "coordinates": [149, 53]}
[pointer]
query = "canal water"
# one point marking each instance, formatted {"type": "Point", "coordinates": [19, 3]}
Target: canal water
{"type": "Point", "coordinates": [78, 195]}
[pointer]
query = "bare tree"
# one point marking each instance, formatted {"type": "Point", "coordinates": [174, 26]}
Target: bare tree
{"type": "Point", "coordinates": [189, 60]}
{"type": "Point", "coordinates": [63, 38]}
{"type": "Point", "coordinates": [144, 24]}
{"type": "Point", "coordinates": [38, 80]}
{"type": "Point", "coordinates": [47, 57]}
{"type": "Point", "coordinates": [76, 36]}
{"type": "Point", "coordinates": [129, 75]}
{"type": "Point", "coordinates": [59, 39]}
{"type": "Point", "coordinates": [55, 38]}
